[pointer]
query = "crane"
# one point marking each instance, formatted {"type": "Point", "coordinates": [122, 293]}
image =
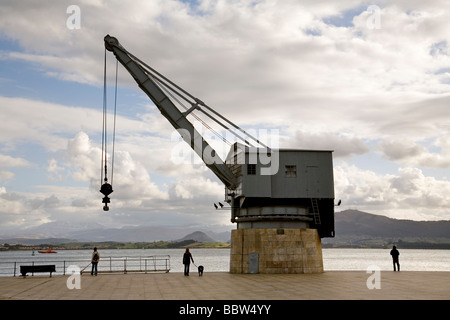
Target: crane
{"type": "Point", "coordinates": [282, 200]}
{"type": "Point", "coordinates": [294, 190]}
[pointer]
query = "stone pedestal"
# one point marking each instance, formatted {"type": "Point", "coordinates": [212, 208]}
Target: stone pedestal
{"type": "Point", "coordinates": [276, 251]}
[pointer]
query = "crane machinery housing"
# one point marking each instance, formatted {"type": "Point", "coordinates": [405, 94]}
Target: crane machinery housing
{"type": "Point", "coordinates": [282, 200]}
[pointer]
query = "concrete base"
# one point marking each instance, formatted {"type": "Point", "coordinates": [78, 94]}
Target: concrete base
{"type": "Point", "coordinates": [276, 251]}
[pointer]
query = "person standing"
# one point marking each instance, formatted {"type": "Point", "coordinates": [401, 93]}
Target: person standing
{"type": "Point", "coordinates": [94, 261]}
{"type": "Point", "coordinates": [395, 254]}
{"type": "Point", "coordinates": [187, 257]}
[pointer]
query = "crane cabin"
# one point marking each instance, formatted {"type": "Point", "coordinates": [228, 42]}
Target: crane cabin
{"type": "Point", "coordinates": [283, 188]}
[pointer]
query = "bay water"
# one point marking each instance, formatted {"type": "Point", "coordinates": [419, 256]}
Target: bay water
{"type": "Point", "coordinates": [218, 260]}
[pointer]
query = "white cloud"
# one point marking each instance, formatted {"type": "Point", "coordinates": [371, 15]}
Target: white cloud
{"type": "Point", "coordinates": [19, 210]}
{"type": "Point", "coordinates": [49, 124]}
{"type": "Point", "coordinates": [341, 145]}
{"type": "Point", "coordinates": [54, 169]}
{"type": "Point", "coordinates": [260, 56]}
{"type": "Point", "coordinates": [6, 175]}
{"type": "Point", "coordinates": [8, 161]}
{"type": "Point", "coordinates": [409, 194]}
{"type": "Point", "coordinates": [413, 154]}
{"type": "Point", "coordinates": [197, 187]}
{"type": "Point", "coordinates": [276, 64]}
{"type": "Point", "coordinates": [129, 176]}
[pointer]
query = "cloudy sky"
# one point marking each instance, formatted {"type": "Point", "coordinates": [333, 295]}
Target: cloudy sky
{"type": "Point", "coordinates": [369, 80]}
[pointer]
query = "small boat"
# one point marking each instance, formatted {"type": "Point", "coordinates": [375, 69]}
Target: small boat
{"type": "Point", "coordinates": [48, 251]}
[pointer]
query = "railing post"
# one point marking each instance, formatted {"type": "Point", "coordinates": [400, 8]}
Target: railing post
{"type": "Point", "coordinates": [168, 267]}
{"type": "Point", "coordinates": [15, 266]}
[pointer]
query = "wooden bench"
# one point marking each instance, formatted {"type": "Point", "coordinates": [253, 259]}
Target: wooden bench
{"type": "Point", "coordinates": [37, 268]}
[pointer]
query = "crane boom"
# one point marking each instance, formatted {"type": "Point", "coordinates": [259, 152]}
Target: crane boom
{"type": "Point", "coordinates": [152, 87]}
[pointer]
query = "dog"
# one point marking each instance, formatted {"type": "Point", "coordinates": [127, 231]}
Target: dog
{"type": "Point", "coordinates": [200, 271]}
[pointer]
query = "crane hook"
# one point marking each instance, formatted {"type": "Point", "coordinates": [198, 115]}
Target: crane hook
{"type": "Point", "coordinates": [106, 190]}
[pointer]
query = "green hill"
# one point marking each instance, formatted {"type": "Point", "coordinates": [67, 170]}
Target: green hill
{"type": "Point", "coordinates": [360, 229]}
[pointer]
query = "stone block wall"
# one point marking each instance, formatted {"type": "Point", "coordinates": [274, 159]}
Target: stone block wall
{"type": "Point", "coordinates": [278, 250]}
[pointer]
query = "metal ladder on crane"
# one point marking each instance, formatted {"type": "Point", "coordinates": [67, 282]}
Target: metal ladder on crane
{"type": "Point", "coordinates": [315, 210]}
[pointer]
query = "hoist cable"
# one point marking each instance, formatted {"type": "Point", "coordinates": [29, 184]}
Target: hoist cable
{"type": "Point", "coordinates": [103, 166]}
{"type": "Point", "coordinates": [114, 126]}
{"type": "Point", "coordinates": [106, 188]}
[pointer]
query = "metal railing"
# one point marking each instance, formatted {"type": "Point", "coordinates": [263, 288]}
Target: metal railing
{"type": "Point", "coordinates": [131, 264]}
{"type": "Point", "coordinates": [157, 263]}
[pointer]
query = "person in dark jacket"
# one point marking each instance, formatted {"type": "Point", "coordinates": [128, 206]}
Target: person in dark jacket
{"type": "Point", "coordinates": [395, 254]}
{"type": "Point", "coordinates": [187, 257]}
{"type": "Point", "coordinates": [94, 260]}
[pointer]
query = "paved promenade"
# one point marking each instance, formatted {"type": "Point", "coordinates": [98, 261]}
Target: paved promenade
{"type": "Point", "coordinates": [330, 285]}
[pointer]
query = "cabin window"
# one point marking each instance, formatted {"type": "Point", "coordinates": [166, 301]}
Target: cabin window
{"type": "Point", "coordinates": [291, 171]}
{"type": "Point", "coordinates": [251, 169]}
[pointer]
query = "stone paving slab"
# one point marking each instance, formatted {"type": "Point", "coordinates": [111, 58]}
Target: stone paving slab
{"type": "Point", "coordinates": [330, 285]}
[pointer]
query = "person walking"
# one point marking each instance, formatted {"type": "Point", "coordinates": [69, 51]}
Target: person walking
{"type": "Point", "coordinates": [395, 254]}
{"type": "Point", "coordinates": [94, 261]}
{"type": "Point", "coordinates": [187, 257]}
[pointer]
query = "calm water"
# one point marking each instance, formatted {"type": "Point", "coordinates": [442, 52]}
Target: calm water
{"type": "Point", "coordinates": [410, 259]}
{"type": "Point", "coordinates": [219, 259]}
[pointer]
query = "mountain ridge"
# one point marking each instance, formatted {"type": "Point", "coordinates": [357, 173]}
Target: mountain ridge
{"type": "Point", "coordinates": [361, 229]}
{"type": "Point", "coordinates": [357, 222]}
{"type": "Point", "coordinates": [198, 236]}
{"type": "Point", "coordinates": [351, 226]}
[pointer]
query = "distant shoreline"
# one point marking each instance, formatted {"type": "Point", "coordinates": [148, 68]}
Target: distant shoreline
{"type": "Point", "coordinates": [115, 245]}
{"type": "Point", "coordinates": [201, 245]}
{"type": "Point", "coordinates": [383, 243]}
